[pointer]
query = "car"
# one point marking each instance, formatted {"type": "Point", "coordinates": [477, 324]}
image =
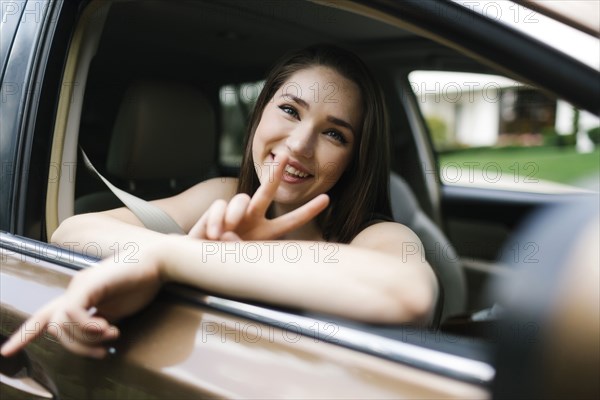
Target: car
{"type": "Point", "coordinates": [494, 149]}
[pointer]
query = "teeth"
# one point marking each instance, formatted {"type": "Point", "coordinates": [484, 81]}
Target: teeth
{"type": "Point", "coordinates": [293, 171]}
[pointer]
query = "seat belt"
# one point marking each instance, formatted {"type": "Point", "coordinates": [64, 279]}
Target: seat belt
{"type": "Point", "coordinates": [151, 216]}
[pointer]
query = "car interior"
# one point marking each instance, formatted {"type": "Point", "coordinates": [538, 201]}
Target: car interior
{"type": "Point", "coordinates": [164, 88]}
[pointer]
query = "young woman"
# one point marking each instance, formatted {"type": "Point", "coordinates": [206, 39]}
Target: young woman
{"type": "Point", "coordinates": [309, 226]}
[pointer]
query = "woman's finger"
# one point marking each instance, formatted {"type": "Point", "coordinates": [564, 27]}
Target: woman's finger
{"type": "Point", "coordinates": [266, 192]}
{"type": "Point", "coordinates": [198, 231]}
{"type": "Point", "coordinates": [300, 216]}
{"type": "Point", "coordinates": [83, 349]}
{"type": "Point", "coordinates": [87, 329]}
{"type": "Point", "coordinates": [216, 217]}
{"type": "Point", "coordinates": [30, 330]}
{"type": "Point", "coordinates": [230, 236]}
{"type": "Point", "coordinates": [236, 209]}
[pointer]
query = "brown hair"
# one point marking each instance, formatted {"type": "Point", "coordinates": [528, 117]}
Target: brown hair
{"type": "Point", "coordinates": [362, 192]}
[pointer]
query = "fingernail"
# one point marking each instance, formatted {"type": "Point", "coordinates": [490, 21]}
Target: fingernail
{"type": "Point", "coordinates": [113, 331]}
{"type": "Point", "coordinates": [98, 353]}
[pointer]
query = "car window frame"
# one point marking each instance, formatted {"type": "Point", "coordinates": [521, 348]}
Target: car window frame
{"type": "Point", "coordinates": [8, 28]}
{"type": "Point", "coordinates": [523, 58]}
{"type": "Point", "coordinates": [20, 70]}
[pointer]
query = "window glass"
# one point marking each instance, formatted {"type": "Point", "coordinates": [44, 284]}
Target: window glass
{"type": "Point", "coordinates": [237, 102]}
{"type": "Point", "coordinates": [490, 130]}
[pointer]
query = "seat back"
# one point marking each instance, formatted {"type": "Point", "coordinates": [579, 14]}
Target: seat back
{"type": "Point", "coordinates": [438, 251]}
{"type": "Point", "coordinates": [163, 141]}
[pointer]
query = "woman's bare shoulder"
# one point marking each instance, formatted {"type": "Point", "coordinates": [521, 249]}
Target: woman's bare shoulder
{"type": "Point", "coordinates": [391, 237]}
{"type": "Point", "coordinates": [222, 187]}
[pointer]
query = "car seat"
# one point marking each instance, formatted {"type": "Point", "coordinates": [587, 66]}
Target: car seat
{"type": "Point", "coordinates": [163, 141]}
{"type": "Point", "coordinates": [438, 251]}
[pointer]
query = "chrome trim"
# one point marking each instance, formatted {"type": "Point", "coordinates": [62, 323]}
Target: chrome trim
{"type": "Point", "coordinates": [44, 251]}
{"type": "Point", "coordinates": [435, 361]}
{"type": "Point", "coordinates": [26, 386]}
{"type": "Point", "coordinates": [450, 365]}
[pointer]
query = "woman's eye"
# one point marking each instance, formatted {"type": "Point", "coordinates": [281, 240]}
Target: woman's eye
{"type": "Point", "coordinates": [336, 136]}
{"type": "Point", "coordinates": [289, 110]}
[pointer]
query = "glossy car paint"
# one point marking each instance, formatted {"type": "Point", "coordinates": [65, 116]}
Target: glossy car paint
{"type": "Point", "coordinates": [178, 350]}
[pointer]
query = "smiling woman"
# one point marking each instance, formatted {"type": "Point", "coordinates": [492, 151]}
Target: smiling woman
{"type": "Point", "coordinates": [338, 87]}
{"type": "Point", "coordinates": [306, 152]}
{"type": "Point", "coordinates": [308, 130]}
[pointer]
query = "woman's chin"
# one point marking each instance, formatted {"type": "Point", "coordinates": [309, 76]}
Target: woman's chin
{"type": "Point", "coordinates": [289, 199]}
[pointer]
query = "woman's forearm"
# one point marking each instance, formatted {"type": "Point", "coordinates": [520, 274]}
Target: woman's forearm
{"type": "Point", "coordinates": [332, 278]}
{"type": "Point", "coordinates": [103, 236]}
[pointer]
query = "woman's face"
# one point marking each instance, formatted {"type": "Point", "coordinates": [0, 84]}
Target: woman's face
{"type": "Point", "coordinates": [313, 118]}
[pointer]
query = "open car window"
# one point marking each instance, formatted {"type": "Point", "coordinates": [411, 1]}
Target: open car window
{"type": "Point", "coordinates": [494, 132]}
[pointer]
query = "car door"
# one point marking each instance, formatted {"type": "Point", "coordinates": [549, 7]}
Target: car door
{"type": "Point", "coordinates": [32, 272]}
{"type": "Point", "coordinates": [190, 345]}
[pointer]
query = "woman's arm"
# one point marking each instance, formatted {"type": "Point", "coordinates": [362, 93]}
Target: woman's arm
{"type": "Point", "coordinates": [107, 232]}
{"type": "Point", "coordinates": [367, 280]}
{"type": "Point", "coordinates": [380, 277]}
{"type": "Point", "coordinates": [209, 210]}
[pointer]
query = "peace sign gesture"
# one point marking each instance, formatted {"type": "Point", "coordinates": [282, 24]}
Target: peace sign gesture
{"type": "Point", "coordinates": [244, 218]}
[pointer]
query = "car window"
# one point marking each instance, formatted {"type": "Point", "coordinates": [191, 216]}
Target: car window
{"type": "Point", "coordinates": [236, 102]}
{"type": "Point", "coordinates": [492, 131]}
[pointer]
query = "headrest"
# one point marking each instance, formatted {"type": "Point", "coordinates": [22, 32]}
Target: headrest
{"type": "Point", "coordinates": [163, 130]}
{"type": "Point", "coordinates": [404, 202]}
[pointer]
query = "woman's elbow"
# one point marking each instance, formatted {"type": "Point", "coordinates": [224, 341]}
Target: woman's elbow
{"type": "Point", "coordinates": [61, 233]}
{"type": "Point", "coordinates": [417, 309]}
{"type": "Point", "coordinates": [414, 305]}
{"type": "Point", "coordinates": [70, 229]}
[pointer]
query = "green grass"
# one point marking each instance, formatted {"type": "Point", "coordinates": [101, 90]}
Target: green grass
{"type": "Point", "coordinates": [554, 164]}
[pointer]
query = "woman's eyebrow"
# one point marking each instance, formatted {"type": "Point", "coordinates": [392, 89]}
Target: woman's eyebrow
{"type": "Point", "coordinates": [296, 99]}
{"type": "Point", "coordinates": [340, 122]}
{"type": "Point", "coordinates": [330, 118]}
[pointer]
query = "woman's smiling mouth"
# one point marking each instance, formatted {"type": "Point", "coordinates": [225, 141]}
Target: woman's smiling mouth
{"type": "Point", "coordinates": [295, 173]}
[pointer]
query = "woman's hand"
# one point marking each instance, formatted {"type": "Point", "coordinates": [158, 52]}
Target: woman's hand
{"type": "Point", "coordinates": [244, 218]}
{"type": "Point", "coordinates": [81, 318]}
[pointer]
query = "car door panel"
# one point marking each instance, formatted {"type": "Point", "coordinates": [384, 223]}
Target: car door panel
{"type": "Point", "coordinates": [175, 349]}
{"type": "Point", "coordinates": [479, 222]}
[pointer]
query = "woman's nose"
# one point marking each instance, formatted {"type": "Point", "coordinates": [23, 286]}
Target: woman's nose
{"type": "Point", "coordinates": [301, 142]}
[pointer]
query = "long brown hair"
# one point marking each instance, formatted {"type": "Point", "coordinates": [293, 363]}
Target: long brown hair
{"type": "Point", "coordinates": [362, 192]}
